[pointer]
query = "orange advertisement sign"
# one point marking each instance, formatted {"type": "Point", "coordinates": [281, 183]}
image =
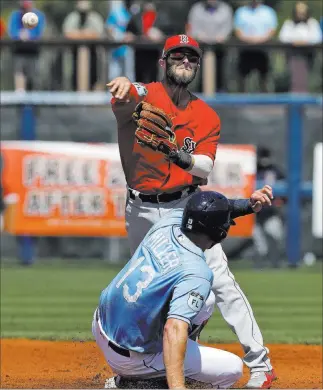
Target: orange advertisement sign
{"type": "Point", "coordinates": [234, 175]}
{"type": "Point", "coordinates": [59, 189]}
{"type": "Point", "coordinates": [74, 189]}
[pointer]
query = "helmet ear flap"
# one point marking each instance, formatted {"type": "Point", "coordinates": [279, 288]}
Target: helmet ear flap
{"type": "Point", "coordinates": [219, 235]}
{"type": "Point", "coordinates": [223, 234]}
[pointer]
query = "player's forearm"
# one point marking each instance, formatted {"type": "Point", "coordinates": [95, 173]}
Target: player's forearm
{"type": "Point", "coordinates": [240, 207]}
{"type": "Point", "coordinates": [174, 348]}
{"type": "Point", "coordinates": [197, 165]}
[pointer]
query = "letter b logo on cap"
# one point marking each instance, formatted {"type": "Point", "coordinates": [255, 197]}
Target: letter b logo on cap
{"type": "Point", "coordinates": [183, 39]}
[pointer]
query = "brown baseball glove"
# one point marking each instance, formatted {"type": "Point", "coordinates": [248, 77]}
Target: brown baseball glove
{"type": "Point", "coordinates": [154, 128]}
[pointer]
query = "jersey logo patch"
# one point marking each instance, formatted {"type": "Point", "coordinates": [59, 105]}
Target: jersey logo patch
{"type": "Point", "coordinates": [141, 89]}
{"type": "Point", "coordinates": [195, 301]}
{"type": "Point", "coordinates": [189, 145]}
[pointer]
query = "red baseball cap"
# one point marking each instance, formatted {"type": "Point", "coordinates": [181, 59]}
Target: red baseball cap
{"type": "Point", "coordinates": [178, 41]}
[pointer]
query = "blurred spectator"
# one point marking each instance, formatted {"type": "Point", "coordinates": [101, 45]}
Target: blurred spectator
{"type": "Point", "coordinates": [300, 30]}
{"type": "Point", "coordinates": [121, 60]}
{"type": "Point", "coordinates": [321, 24]}
{"type": "Point", "coordinates": [254, 24]}
{"type": "Point", "coordinates": [84, 24]}
{"type": "Point", "coordinates": [146, 24]}
{"type": "Point", "coordinates": [269, 231]}
{"type": "Point", "coordinates": [25, 53]}
{"type": "Point", "coordinates": [267, 242]}
{"type": "Point", "coordinates": [211, 21]}
{"type": "Point", "coordinates": [172, 16]}
{"type": "Point", "coordinates": [2, 28]}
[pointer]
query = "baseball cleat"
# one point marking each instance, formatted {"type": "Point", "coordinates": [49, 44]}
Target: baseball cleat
{"type": "Point", "coordinates": [261, 380]}
{"type": "Point", "coordinates": [121, 382]}
{"type": "Point", "coordinates": [110, 383]}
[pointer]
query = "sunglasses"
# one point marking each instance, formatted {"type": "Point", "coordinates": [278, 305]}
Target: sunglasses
{"type": "Point", "coordinates": [179, 56]}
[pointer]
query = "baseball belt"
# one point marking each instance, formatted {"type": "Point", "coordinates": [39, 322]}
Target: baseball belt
{"type": "Point", "coordinates": [121, 351]}
{"type": "Point", "coordinates": [163, 197]}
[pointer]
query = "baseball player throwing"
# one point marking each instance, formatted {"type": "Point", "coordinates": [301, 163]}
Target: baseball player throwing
{"type": "Point", "coordinates": [145, 315]}
{"type": "Point", "coordinates": [168, 140]}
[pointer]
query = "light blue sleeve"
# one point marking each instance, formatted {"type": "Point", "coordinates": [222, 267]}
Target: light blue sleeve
{"type": "Point", "coordinates": [238, 18]}
{"type": "Point", "coordinates": [111, 20]}
{"type": "Point", "coordinates": [188, 298]}
{"type": "Point", "coordinates": [272, 19]}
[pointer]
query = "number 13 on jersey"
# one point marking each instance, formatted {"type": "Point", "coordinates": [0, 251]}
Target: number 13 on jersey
{"type": "Point", "coordinates": [141, 285]}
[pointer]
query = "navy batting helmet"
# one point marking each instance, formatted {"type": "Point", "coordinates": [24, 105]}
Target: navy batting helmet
{"type": "Point", "coordinates": [208, 212]}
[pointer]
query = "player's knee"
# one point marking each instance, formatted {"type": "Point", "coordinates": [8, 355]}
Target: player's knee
{"type": "Point", "coordinates": [236, 368]}
{"type": "Point", "coordinates": [229, 372]}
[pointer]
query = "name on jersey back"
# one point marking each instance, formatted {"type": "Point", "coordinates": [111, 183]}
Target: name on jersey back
{"type": "Point", "coordinates": [163, 250]}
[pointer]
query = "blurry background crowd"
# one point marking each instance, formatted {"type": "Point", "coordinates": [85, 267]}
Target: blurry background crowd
{"type": "Point", "coordinates": [248, 35]}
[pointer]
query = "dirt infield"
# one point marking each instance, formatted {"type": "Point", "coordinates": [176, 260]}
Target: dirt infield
{"type": "Point", "coordinates": [55, 364]}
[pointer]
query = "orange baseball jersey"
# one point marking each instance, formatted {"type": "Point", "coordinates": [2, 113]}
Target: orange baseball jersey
{"type": "Point", "coordinates": [197, 129]}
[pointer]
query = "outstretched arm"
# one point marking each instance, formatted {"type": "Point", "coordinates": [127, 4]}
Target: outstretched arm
{"type": "Point", "coordinates": [257, 201]}
{"type": "Point", "coordinates": [174, 348]}
{"type": "Point", "coordinates": [123, 90]}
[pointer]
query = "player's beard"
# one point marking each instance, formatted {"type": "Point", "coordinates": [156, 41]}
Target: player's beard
{"type": "Point", "coordinates": [180, 80]}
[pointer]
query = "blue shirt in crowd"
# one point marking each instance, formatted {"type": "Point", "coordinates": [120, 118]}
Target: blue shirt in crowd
{"type": "Point", "coordinates": [255, 22]}
{"type": "Point", "coordinates": [15, 25]}
{"type": "Point", "coordinates": [118, 20]}
{"type": "Point", "coordinates": [166, 278]}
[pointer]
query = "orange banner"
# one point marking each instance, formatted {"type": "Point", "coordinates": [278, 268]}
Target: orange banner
{"type": "Point", "coordinates": [74, 189]}
{"type": "Point", "coordinates": [234, 175]}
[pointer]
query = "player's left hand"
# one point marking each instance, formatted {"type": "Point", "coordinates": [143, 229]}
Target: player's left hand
{"type": "Point", "coordinates": [261, 198]}
{"type": "Point", "coordinates": [154, 129]}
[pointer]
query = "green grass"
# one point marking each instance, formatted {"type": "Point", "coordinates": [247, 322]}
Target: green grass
{"type": "Point", "coordinates": [287, 305]}
{"type": "Point", "coordinates": [57, 302]}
